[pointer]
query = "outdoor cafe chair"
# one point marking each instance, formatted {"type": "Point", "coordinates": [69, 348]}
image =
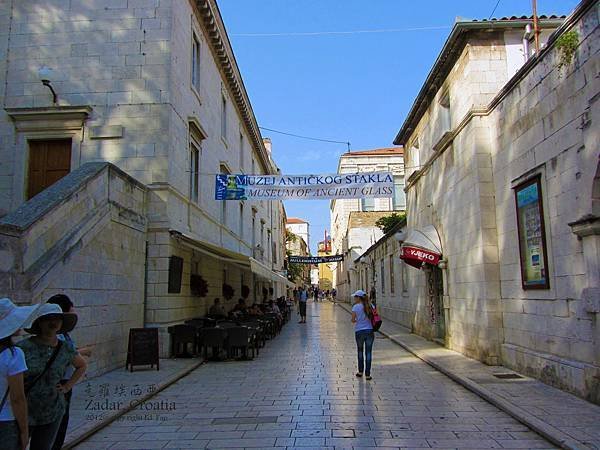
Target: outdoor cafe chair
{"type": "Point", "coordinates": [181, 336]}
{"type": "Point", "coordinates": [258, 331]}
{"type": "Point", "coordinates": [239, 338]}
{"type": "Point", "coordinates": [215, 338]}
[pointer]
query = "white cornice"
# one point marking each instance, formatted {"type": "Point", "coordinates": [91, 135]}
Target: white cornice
{"type": "Point", "coordinates": [210, 18]}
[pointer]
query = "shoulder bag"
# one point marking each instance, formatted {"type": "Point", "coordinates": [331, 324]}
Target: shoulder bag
{"type": "Point", "coordinates": [376, 320]}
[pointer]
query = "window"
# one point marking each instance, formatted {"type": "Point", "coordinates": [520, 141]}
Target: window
{"type": "Point", "coordinates": [223, 169]}
{"type": "Point", "coordinates": [194, 166]}
{"type": "Point", "coordinates": [175, 273]}
{"type": "Point", "coordinates": [392, 282]}
{"type": "Point", "coordinates": [223, 117]}
{"type": "Point", "coordinates": [253, 229]}
{"type": "Point", "coordinates": [241, 152]}
{"type": "Point", "coordinates": [367, 204]}
{"type": "Point", "coordinates": [445, 119]}
{"type": "Point", "coordinates": [262, 234]}
{"type": "Point", "coordinates": [532, 235]}
{"type": "Point", "coordinates": [382, 275]}
{"type": "Point", "coordinates": [404, 277]}
{"type": "Point", "coordinates": [241, 222]}
{"type": "Point", "coordinates": [196, 63]}
{"type": "Point", "coordinates": [399, 194]}
{"type": "Point", "coordinates": [268, 240]}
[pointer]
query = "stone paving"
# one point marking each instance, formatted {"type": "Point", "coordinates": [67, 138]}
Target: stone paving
{"type": "Point", "coordinates": [564, 417]}
{"type": "Point", "coordinates": [301, 393]}
{"type": "Point", "coordinates": [97, 400]}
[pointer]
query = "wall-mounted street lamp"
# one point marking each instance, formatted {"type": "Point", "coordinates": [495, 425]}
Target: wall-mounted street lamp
{"type": "Point", "coordinates": [45, 74]}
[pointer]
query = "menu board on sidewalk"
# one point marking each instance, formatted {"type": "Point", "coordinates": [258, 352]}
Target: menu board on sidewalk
{"type": "Point", "coordinates": [142, 349]}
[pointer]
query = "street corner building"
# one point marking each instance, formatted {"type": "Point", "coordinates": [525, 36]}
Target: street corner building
{"type": "Point", "coordinates": [499, 258]}
{"type": "Point", "coordinates": [114, 124]}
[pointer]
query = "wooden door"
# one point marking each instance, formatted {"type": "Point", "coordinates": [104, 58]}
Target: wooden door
{"type": "Point", "coordinates": [49, 161]}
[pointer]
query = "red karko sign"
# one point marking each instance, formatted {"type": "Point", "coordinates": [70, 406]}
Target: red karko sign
{"type": "Point", "coordinates": [414, 254]}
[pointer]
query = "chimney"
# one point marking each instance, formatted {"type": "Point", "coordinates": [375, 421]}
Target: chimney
{"type": "Point", "coordinates": [267, 143]}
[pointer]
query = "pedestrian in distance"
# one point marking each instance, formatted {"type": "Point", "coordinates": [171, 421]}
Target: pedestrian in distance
{"type": "Point", "coordinates": [333, 294]}
{"type": "Point", "coordinates": [14, 428]}
{"type": "Point", "coordinates": [66, 305]}
{"type": "Point", "coordinates": [47, 358]}
{"type": "Point", "coordinates": [302, 305]}
{"type": "Point", "coordinates": [362, 318]}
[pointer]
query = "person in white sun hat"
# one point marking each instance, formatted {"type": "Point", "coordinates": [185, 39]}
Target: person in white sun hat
{"type": "Point", "coordinates": [47, 359]}
{"type": "Point", "coordinates": [14, 431]}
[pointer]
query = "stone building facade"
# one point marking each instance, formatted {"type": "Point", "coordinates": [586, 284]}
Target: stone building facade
{"type": "Point", "coordinates": [353, 240]}
{"type": "Point", "coordinates": [504, 169]}
{"type": "Point", "coordinates": [300, 228]}
{"type": "Point", "coordinates": [153, 88]}
{"type": "Point", "coordinates": [298, 246]}
{"type": "Point", "coordinates": [325, 272]}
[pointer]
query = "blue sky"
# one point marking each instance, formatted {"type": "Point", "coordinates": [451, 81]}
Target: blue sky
{"type": "Point", "coordinates": [347, 87]}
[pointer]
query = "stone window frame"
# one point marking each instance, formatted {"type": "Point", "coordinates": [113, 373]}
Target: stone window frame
{"type": "Point", "coordinates": [536, 179]}
{"type": "Point", "coordinates": [224, 110]}
{"type": "Point", "coordinates": [224, 169]}
{"type": "Point", "coordinates": [404, 278]}
{"type": "Point", "coordinates": [195, 62]}
{"type": "Point", "coordinates": [392, 277]}
{"type": "Point", "coordinates": [382, 275]}
{"type": "Point", "coordinates": [196, 135]}
{"type": "Point", "coordinates": [44, 123]}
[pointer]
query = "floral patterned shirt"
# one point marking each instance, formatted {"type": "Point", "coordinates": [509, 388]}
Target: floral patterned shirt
{"type": "Point", "coordinates": [44, 403]}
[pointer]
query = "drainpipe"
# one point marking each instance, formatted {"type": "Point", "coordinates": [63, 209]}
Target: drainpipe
{"type": "Point", "coordinates": [526, 37]}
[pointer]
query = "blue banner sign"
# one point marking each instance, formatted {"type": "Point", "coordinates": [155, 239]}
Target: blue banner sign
{"type": "Point", "coordinates": [304, 187]}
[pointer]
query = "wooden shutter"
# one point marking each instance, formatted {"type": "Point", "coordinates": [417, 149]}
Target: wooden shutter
{"type": "Point", "coordinates": [49, 161]}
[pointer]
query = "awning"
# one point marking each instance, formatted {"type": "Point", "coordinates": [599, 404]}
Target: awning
{"type": "Point", "coordinates": [422, 246]}
{"type": "Point", "coordinates": [214, 251]}
{"type": "Point", "coordinates": [230, 256]}
{"type": "Point", "coordinates": [263, 271]}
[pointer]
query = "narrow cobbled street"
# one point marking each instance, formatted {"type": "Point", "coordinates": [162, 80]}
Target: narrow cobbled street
{"type": "Point", "coordinates": [301, 392]}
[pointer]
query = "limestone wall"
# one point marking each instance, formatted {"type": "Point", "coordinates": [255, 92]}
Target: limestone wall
{"type": "Point", "coordinates": [84, 237]}
{"type": "Point", "coordinates": [546, 126]}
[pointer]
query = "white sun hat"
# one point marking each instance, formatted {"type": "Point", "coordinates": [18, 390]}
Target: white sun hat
{"type": "Point", "coordinates": [13, 317]}
{"type": "Point", "coordinates": [359, 293]}
{"type": "Point", "coordinates": [49, 309]}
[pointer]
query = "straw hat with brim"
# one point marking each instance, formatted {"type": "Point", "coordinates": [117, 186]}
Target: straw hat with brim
{"type": "Point", "coordinates": [69, 320]}
{"type": "Point", "coordinates": [359, 293]}
{"type": "Point", "coordinates": [13, 317]}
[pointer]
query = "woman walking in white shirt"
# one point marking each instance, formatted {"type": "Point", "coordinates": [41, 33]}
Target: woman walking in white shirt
{"type": "Point", "coordinates": [362, 318]}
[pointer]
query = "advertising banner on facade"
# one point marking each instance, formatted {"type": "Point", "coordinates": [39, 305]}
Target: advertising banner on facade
{"type": "Point", "coordinates": [415, 256]}
{"type": "Point", "coordinates": [315, 259]}
{"type": "Point", "coordinates": [304, 187]}
{"type": "Point", "coordinates": [532, 243]}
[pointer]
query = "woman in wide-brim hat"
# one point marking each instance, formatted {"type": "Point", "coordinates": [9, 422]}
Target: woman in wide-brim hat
{"type": "Point", "coordinates": [48, 357]}
{"type": "Point", "coordinates": [14, 431]}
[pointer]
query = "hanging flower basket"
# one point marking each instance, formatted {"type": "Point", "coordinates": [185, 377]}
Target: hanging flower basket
{"type": "Point", "coordinates": [198, 286]}
{"type": "Point", "coordinates": [228, 291]}
{"type": "Point", "coordinates": [245, 291]}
